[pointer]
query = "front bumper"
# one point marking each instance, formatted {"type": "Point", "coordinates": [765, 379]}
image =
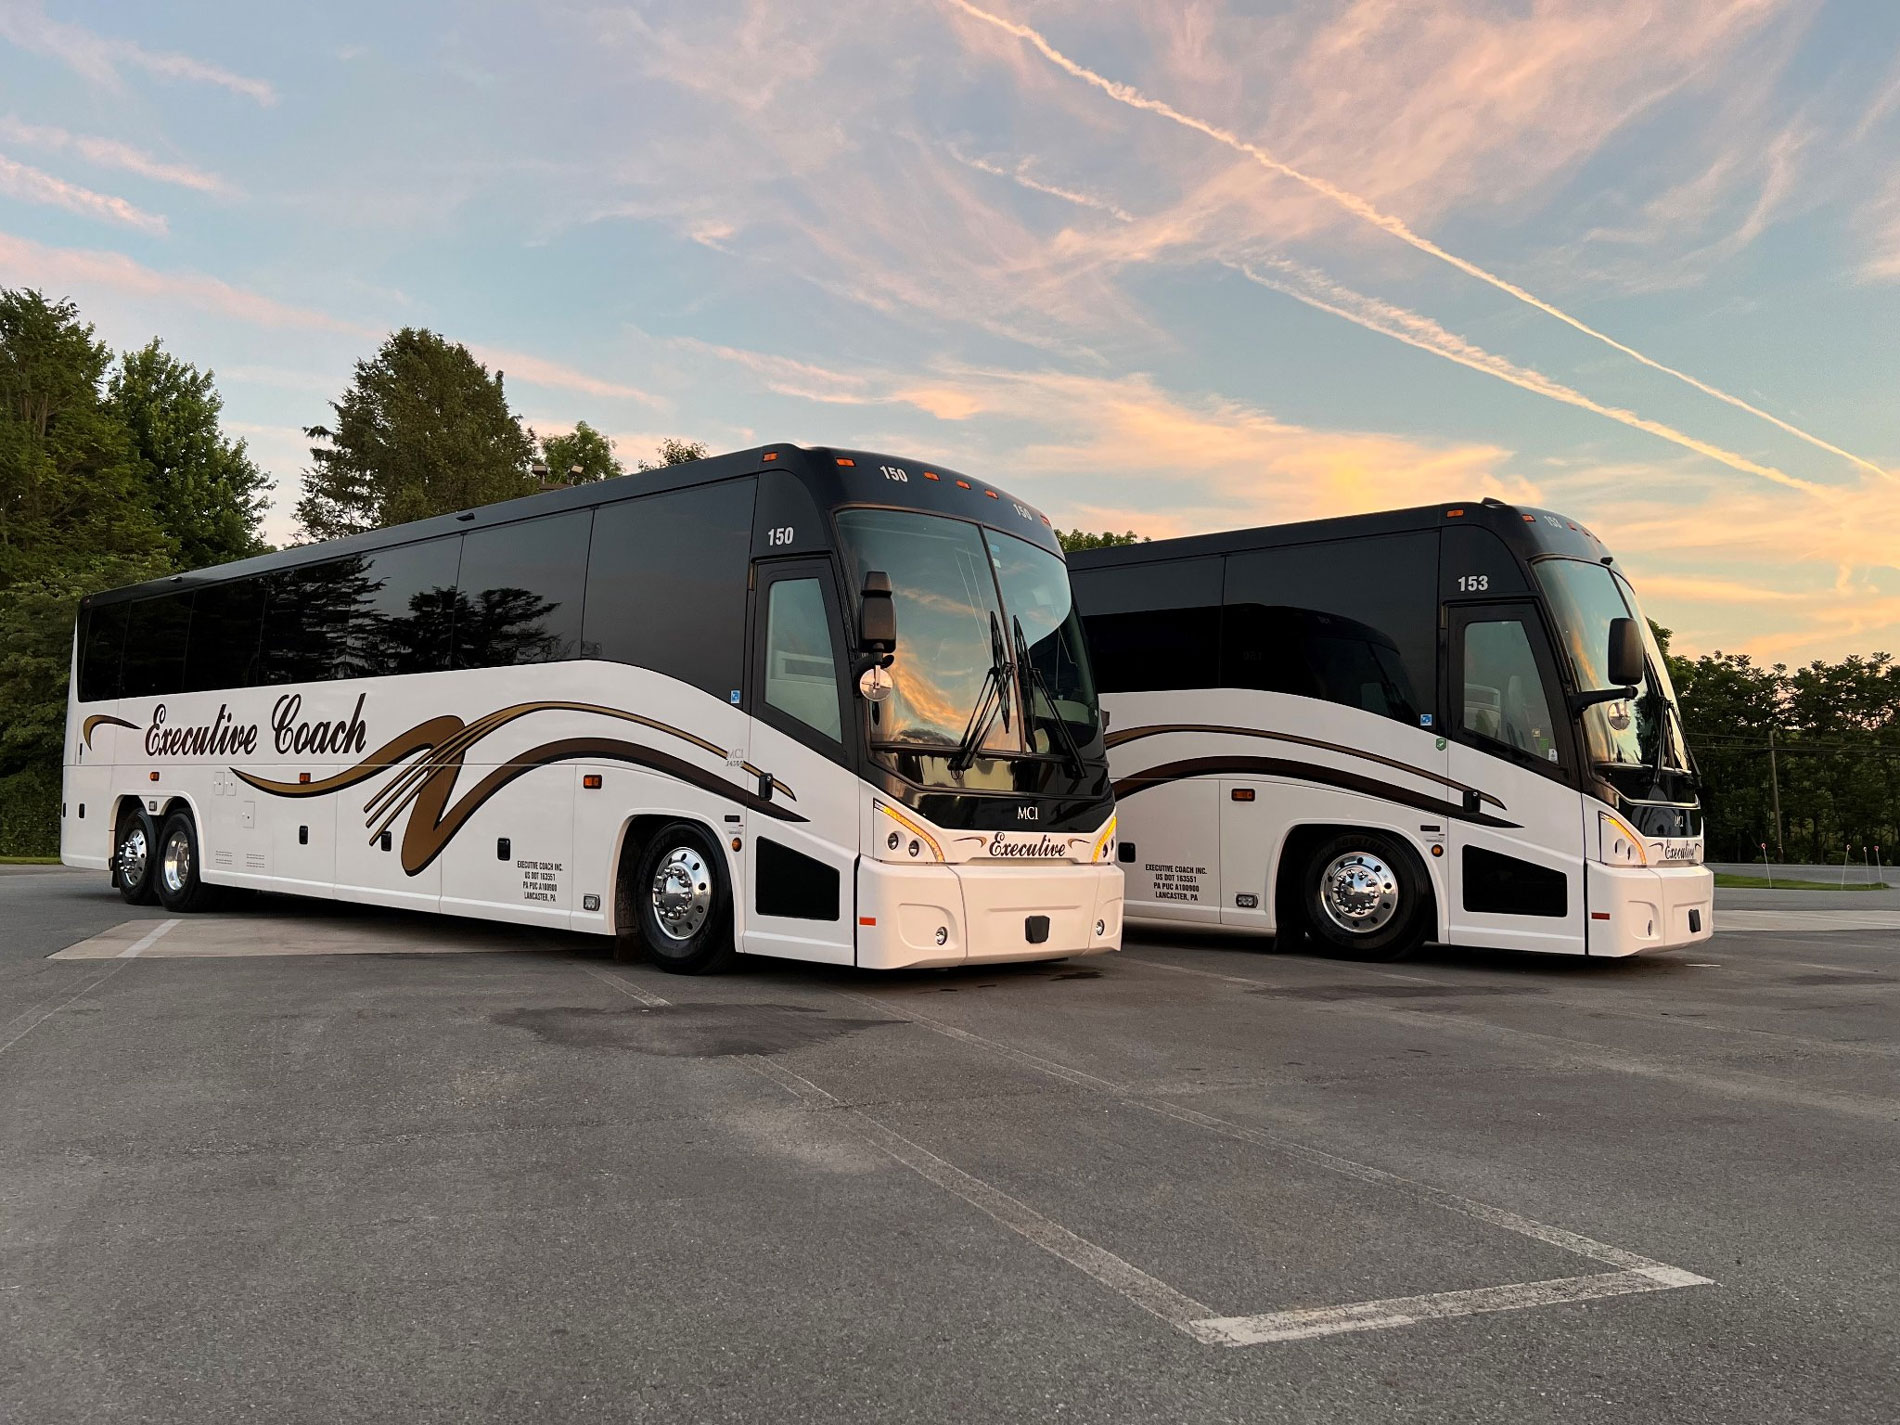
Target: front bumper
{"type": "Point", "coordinates": [918, 917]}
{"type": "Point", "coordinates": [1640, 908]}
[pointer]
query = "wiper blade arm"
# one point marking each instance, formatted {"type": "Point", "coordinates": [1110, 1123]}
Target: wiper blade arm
{"type": "Point", "coordinates": [1028, 665]}
{"type": "Point", "coordinates": [991, 701]}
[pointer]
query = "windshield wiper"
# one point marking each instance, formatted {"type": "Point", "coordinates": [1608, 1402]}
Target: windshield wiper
{"type": "Point", "coordinates": [1072, 754]}
{"type": "Point", "coordinates": [991, 701]}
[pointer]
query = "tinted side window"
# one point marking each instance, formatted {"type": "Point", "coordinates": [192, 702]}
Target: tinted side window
{"type": "Point", "coordinates": [1152, 625]}
{"type": "Point", "coordinates": [102, 644]}
{"type": "Point", "coordinates": [401, 612]}
{"type": "Point", "coordinates": [1353, 622]}
{"type": "Point", "coordinates": [666, 584]}
{"type": "Point", "coordinates": [156, 630]}
{"type": "Point", "coordinates": [226, 622]}
{"type": "Point", "coordinates": [519, 595]}
{"type": "Point", "coordinates": [801, 672]}
{"type": "Point", "coordinates": [1503, 690]}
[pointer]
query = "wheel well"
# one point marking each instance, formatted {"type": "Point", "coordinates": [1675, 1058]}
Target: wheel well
{"type": "Point", "coordinates": [633, 842]}
{"type": "Point", "coordinates": [1289, 906]}
{"type": "Point", "coordinates": [178, 804]}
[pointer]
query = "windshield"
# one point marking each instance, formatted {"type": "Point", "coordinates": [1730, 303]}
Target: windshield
{"type": "Point", "coordinates": [1585, 598]}
{"type": "Point", "coordinates": [944, 598]}
{"type": "Point", "coordinates": [1036, 592]}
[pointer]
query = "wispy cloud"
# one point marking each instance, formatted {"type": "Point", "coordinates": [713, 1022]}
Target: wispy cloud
{"type": "Point", "coordinates": [109, 153]}
{"type": "Point", "coordinates": [1366, 212]}
{"type": "Point", "coordinates": [30, 185]}
{"type": "Point", "coordinates": [1317, 290]}
{"type": "Point", "coordinates": [100, 57]}
{"type": "Point", "coordinates": [1019, 174]}
{"type": "Point", "coordinates": [539, 371]}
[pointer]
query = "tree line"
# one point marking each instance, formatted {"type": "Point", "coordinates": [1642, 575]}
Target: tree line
{"type": "Point", "coordinates": [117, 467]}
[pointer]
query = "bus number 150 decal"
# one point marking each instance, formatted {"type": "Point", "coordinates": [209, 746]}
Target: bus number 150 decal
{"type": "Point", "coordinates": [780, 535]}
{"type": "Point", "coordinates": [896, 472]}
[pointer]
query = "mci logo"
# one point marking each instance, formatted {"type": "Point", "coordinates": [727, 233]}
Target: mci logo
{"type": "Point", "coordinates": [1028, 813]}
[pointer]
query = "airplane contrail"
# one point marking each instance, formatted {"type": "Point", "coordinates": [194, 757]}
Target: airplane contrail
{"type": "Point", "coordinates": [1317, 290]}
{"type": "Point", "coordinates": [1360, 208]}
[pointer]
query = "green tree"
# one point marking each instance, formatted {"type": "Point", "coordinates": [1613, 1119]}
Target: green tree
{"type": "Point", "coordinates": [1073, 539]}
{"type": "Point", "coordinates": [581, 456]}
{"type": "Point", "coordinates": [675, 452]}
{"type": "Point", "coordinates": [75, 517]}
{"type": "Point", "coordinates": [206, 491]}
{"type": "Point", "coordinates": [423, 430]}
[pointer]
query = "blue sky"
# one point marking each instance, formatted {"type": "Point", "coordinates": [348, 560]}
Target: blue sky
{"type": "Point", "coordinates": [1163, 266]}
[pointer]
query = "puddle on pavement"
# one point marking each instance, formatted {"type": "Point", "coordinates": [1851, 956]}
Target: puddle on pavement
{"type": "Point", "coordinates": [687, 1031]}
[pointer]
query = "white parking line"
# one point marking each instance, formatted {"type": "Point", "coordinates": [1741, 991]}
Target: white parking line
{"type": "Point", "coordinates": [150, 938]}
{"type": "Point", "coordinates": [1124, 1278]}
{"type": "Point", "coordinates": [1634, 1273]}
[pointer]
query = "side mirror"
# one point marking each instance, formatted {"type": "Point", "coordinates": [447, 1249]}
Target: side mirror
{"type": "Point", "coordinates": [1626, 652]}
{"type": "Point", "coordinates": [877, 616]}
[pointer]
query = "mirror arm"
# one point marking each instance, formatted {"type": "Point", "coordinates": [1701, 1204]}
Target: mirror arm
{"type": "Point", "coordinates": [1580, 701]}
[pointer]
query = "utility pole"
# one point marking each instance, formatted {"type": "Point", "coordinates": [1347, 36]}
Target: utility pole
{"type": "Point", "coordinates": [1774, 777]}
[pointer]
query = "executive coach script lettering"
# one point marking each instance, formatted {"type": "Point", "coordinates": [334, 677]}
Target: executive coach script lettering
{"type": "Point", "coordinates": [224, 736]}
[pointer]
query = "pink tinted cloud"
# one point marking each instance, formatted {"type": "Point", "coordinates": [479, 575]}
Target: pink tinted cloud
{"type": "Point", "coordinates": [100, 57]}
{"type": "Point", "coordinates": [30, 185]}
{"type": "Point", "coordinates": [109, 153]}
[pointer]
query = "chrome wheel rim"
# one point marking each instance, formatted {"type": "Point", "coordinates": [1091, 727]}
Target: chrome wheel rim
{"type": "Point", "coordinates": [133, 854]}
{"type": "Point", "coordinates": [682, 893]}
{"type": "Point", "coordinates": [1359, 893]}
{"type": "Point", "coordinates": [175, 865]}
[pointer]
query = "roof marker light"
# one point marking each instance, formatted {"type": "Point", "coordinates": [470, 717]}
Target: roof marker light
{"type": "Point", "coordinates": [932, 475]}
{"type": "Point", "coordinates": [1453, 514]}
{"type": "Point", "coordinates": [963, 484]}
{"type": "Point", "coordinates": [1045, 520]}
{"type": "Point", "coordinates": [990, 493]}
{"type": "Point", "coordinates": [771, 455]}
{"type": "Point", "coordinates": [843, 461]}
{"type": "Point", "coordinates": [1530, 519]}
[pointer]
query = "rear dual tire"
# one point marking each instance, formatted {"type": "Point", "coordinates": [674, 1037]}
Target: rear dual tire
{"type": "Point", "coordinates": [158, 864]}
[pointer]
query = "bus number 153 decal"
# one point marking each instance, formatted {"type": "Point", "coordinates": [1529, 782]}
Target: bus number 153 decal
{"type": "Point", "coordinates": [1473, 583]}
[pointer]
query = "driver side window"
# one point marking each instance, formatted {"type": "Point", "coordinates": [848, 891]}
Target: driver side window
{"type": "Point", "coordinates": [801, 674]}
{"type": "Point", "coordinates": [1503, 698]}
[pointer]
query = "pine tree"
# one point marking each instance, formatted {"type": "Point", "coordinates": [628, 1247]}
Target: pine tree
{"type": "Point", "coordinates": [206, 491]}
{"type": "Point", "coordinates": [423, 430]}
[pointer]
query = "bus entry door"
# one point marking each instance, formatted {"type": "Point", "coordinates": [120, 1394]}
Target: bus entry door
{"type": "Point", "coordinates": [799, 865]}
{"type": "Point", "coordinates": [1517, 849]}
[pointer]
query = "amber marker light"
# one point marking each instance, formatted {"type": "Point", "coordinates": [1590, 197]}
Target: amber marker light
{"type": "Point", "coordinates": [1453, 514]}
{"type": "Point", "coordinates": [932, 475]}
{"type": "Point", "coordinates": [963, 484]}
{"type": "Point", "coordinates": [771, 455]}
{"type": "Point", "coordinates": [1530, 519]}
{"type": "Point", "coordinates": [301, 777]}
{"type": "Point", "coordinates": [591, 781]}
{"type": "Point", "coordinates": [1242, 794]}
{"type": "Point", "coordinates": [154, 776]}
{"type": "Point", "coordinates": [843, 461]}
{"type": "Point", "coordinates": [990, 493]}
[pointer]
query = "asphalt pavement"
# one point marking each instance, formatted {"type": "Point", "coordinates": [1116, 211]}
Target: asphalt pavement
{"type": "Point", "coordinates": [1201, 1180]}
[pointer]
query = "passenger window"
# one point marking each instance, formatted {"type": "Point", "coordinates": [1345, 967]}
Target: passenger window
{"type": "Point", "coordinates": [801, 672]}
{"type": "Point", "coordinates": [520, 591]}
{"type": "Point", "coordinates": [1504, 692]}
{"type": "Point", "coordinates": [1349, 622]}
{"type": "Point", "coordinates": [401, 610]}
{"type": "Point", "coordinates": [1152, 625]}
{"type": "Point", "coordinates": [155, 646]}
{"type": "Point", "coordinates": [666, 584]}
{"type": "Point", "coordinates": [103, 648]}
{"type": "Point", "coordinates": [226, 621]}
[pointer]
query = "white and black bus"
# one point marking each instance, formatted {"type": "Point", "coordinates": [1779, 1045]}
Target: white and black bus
{"type": "Point", "coordinates": [819, 704]}
{"type": "Point", "coordinates": [1449, 723]}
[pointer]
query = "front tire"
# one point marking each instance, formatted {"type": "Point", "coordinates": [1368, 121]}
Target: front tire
{"type": "Point", "coordinates": [682, 903]}
{"type": "Point", "coordinates": [180, 888]}
{"type": "Point", "coordinates": [135, 857]}
{"type": "Point", "coordinates": [1364, 898]}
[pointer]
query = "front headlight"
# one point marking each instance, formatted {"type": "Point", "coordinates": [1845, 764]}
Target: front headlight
{"type": "Point", "coordinates": [1617, 842]}
{"type": "Point", "coordinates": [906, 840]}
